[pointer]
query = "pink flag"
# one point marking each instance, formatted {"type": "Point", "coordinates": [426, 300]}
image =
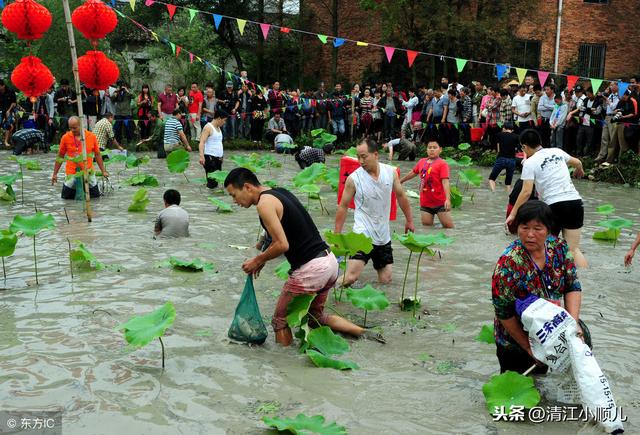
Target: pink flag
{"type": "Point", "coordinates": [389, 52]}
{"type": "Point", "coordinates": [149, 2]}
{"type": "Point", "coordinates": [411, 56]}
{"type": "Point", "coordinates": [542, 77]}
{"type": "Point", "coordinates": [172, 10]}
{"type": "Point", "coordinates": [571, 82]}
{"type": "Point", "coordinates": [190, 57]}
{"type": "Point", "coordinates": [265, 30]}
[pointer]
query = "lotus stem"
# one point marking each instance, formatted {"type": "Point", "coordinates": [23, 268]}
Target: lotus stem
{"type": "Point", "coordinates": [65, 214]}
{"type": "Point", "coordinates": [404, 283]}
{"type": "Point", "coordinates": [364, 324]}
{"type": "Point", "coordinates": [70, 262]}
{"type": "Point", "coordinates": [35, 259]}
{"type": "Point", "coordinates": [162, 344]}
{"type": "Point", "coordinates": [415, 293]}
{"type": "Point", "coordinates": [4, 272]}
{"type": "Point", "coordinates": [344, 278]}
{"type": "Point", "coordinates": [22, 184]}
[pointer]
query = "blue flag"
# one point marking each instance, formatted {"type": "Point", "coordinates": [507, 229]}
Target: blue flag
{"type": "Point", "coordinates": [217, 19]}
{"type": "Point", "coordinates": [500, 70]}
{"type": "Point", "coordinates": [338, 42]}
{"type": "Point", "coordinates": [622, 88]}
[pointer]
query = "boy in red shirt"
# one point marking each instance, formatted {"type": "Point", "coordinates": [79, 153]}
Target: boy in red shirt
{"type": "Point", "coordinates": [435, 193]}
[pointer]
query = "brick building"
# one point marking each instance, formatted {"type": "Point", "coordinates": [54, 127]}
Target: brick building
{"type": "Point", "coordinates": [598, 38]}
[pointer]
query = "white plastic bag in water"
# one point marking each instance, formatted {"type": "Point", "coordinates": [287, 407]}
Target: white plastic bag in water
{"type": "Point", "coordinates": [554, 341]}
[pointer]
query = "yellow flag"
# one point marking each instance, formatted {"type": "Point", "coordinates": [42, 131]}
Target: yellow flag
{"type": "Point", "coordinates": [241, 24]}
{"type": "Point", "coordinates": [361, 44]}
{"type": "Point", "coordinates": [133, 4]}
{"type": "Point", "coordinates": [522, 73]}
{"type": "Point", "coordinates": [155, 36]}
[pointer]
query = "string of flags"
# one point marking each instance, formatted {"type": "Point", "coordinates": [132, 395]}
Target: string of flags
{"type": "Point", "coordinates": [501, 69]}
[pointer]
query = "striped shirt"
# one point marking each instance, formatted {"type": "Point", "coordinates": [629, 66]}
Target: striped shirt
{"type": "Point", "coordinates": [172, 129]}
{"type": "Point", "coordinates": [104, 132]}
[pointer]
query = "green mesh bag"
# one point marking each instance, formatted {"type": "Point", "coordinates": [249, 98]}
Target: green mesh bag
{"type": "Point", "coordinates": [247, 325]}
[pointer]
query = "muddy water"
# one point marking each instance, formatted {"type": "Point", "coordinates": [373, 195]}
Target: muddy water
{"type": "Point", "coordinates": [57, 352]}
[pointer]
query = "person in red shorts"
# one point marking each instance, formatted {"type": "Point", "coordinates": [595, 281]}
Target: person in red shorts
{"type": "Point", "coordinates": [435, 193]}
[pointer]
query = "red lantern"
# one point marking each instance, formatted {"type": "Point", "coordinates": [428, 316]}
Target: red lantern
{"type": "Point", "coordinates": [96, 70]}
{"type": "Point", "coordinates": [32, 77]}
{"type": "Point", "coordinates": [94, 19]}
{"type": "Point", "coordinates": [28, 19]}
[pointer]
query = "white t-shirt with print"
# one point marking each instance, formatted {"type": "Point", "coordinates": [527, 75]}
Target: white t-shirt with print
{"type": "Point", "coordinates": [550, 174]}
{"type": "Point", "coordinates": [522, 105]}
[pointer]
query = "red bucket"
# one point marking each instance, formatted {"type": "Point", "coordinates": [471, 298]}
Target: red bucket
{"type": "Point", "coordinates": [476, 134]}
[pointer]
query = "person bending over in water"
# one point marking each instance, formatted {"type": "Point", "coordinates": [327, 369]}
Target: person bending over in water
{"type": "Point", "coordinates": [173, 221]}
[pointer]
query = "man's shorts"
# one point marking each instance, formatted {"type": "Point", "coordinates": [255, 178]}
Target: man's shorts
{"type": "Point", "coordinates": [381, 255]}
{"type": "Point", "coordinates": [567, 215]}
{"type": "Point", "coordinates": [433, 210]}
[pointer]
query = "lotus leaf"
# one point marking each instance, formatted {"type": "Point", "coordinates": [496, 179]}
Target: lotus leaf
{"type": "Point", "coordinates": [271, 183]}
{"type": "Point", "coordinates": [421, 242]}
{"type": "Point", "coordinates": [269, 161]}
{"type": "Point", "coordinates": [610, 235]}
{"type": "Point", "coordinates": [464, 146]}
{"type": "Point", "coordinates": [54, 148]}
{"type": "Point", "coordinates": [7, 194]}
{"type": "Point", "coordinates": [282, 270]}
{"type": "Point", "coordinates": [412, 194]}
{"type": "Point", "coordinates": [317, 132]}
{"type": "Point", "coordinates": [471, 176]}
{"type": "Point", "coordinates": [465, 161]}
{"type": "Point", "coordinates": [351, 152]}
{"type": "Point", "coordinates": [606, 209]}
{"type": "Point", "coordinates": [310, 174]}
{"type": "Point", "coordinates": [486, 334]}
{"type": "Point", "coordinates": [326, 362]}
{"type": "Point", "coordinates": [84, 257]}
{"type": "Point", "coordinates": [195, 265]}
{"type": "Point", "coordinates": [326, 342]}
{"type": "Point", "coordinates": [141, 330]}
{"type": "Point", "coordinates": [349, 243]}
{"type": "Point", "coordinates": [178, 161]}
{"type": "Point", "coordinates": [218, 176]}
{"type": "Point", "coordinates": [8, 180]}
{"type": "Point", "coordinates": [510, 389]}
{"type": "Point", "coordinates": [132, 161]}
{"type": "Point", "coordinates": [8, 242]}
{"type": "Point", "coordinates": [324, 139]}
{"type": "Point", "coordinates": [615, 224]}
{"type": "Point", "coordinates": [142, 180]}
{"type": "Point", "coordinates": [304, 425]}
{"type": "Point", "coordinates": [451, 162]}
{"type": "Point", "coordinates": [368, 298]}
{"type": "Point", "coordinates": [312, 190]}
{"type": "Point", "coordinates": [139, 200]}
{"type": "Point", "coordinates": [298, 308]}
{"type": "Point", "coordinates": [456, 197]}
{"type": "Point", "coordinates": [32, 225]}
{"type": "Point", "coordinates": [247, 162]}
{"type": "Point", "coordinates": [332, 178]}
{"type": "Point", "coordinates": [222, 206]}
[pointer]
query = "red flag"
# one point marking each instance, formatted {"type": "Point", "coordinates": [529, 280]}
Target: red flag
{"type": "Point", "coordinates": [571, 82]}
{"type": "Point", "coordinates": [285, 29]}
{"type": "Point", "coordinates": [172, 10]}
{"type": "Point", "coordinates": [411, 56]}
{"type": "Point", "coordinates": [178, 48]}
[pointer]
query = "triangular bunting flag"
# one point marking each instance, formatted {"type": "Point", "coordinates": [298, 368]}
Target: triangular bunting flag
{"type": "Point", "coordinates": [229, 75]}
{"type": "Point", "coordinates": [285, 29]}
{"type": "Point", "coordinates": [132, 3]}
{"type": "Point", "coordinates": [178, 48]}
{"type": "Point", "coordinates": [571, 82]}
{"type": "Point", "coordinates": [411, 57]}
{"type": "Point", "coordinates": [361, 44]}
{"type": "Point", "coordinates": [173, 47]}
{"type": "Point", "coordinates": [217, 19]}
{"type": "Point", "coordinates": [199, 59]}
{"type": "Point", "coordinates": [190, 57]}
{"type": "Point", "coordinates": [241, 24]}
{"type": "Point", "coordinates": [460, 63]}
{"type": "Point", "coordinates": [322, 38]}
{"type": "Point", "coordinates": [148, 2]}
{"type": "Point", "coordinates": [146, 122]}
{"type": "Point", "coordinates": [192, 13]}
{"type": "Point", "coordinates": [135, 122]}
{"type": "Point", "coordinates": [338, 42]}
{"type": "Point", "coordinates": [119, 13]}
{"type": "Point", "coordinates": [389, 52]}
{"type": "Point", "coordinates": [126, 122]}
{"type": "Point", "coordinates": [577, 118]}
{"type": "Point", "coordinates": [595, 85]}
{"type": "Point", "coordinates": [542, 77]}
{"type": "Point", "coordinates": [500, 124]}
{"type": "Point", "coordinates": [593, 121]}
{"type": "Point", "coordinates": [265, 29]}
{"type": "Point", "coordinates": [501, 70]}
{"type": "Point", "coordinates": [522, 73]}
{"type": "Point", "coordinates": [154, 34]}
{"type": "Point", "coordinates": [113, 3]}
{"type": "Point", "coordinates": [172, 10]}
{"type": "Point", "coordinates": [622, 87]}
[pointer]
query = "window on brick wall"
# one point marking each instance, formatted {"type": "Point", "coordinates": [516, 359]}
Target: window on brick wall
{"type": "Point", "coordinates": [598, 2]}
{"type": "Point", "coordinates": [526, 54]}
{"type": "Point", "coordinates": [591, 60]}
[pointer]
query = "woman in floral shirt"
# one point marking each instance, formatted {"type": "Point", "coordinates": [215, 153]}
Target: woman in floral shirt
{"type": "Point", "coordinates": [538, 263]}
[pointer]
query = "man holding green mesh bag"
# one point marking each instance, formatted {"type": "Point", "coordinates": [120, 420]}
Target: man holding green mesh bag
{"type": "Point", "coordinates": [314, 268]}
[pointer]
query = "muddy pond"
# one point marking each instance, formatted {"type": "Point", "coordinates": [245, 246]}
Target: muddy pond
{"type": "Point", "coordinates": [59, 349]}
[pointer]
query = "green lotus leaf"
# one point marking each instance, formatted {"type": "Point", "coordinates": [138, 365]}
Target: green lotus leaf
{"type": "Point", "coordinates": [464, 146]}
{"type": "Point", "coordinates": [324, 139]}
{"type": "Point", "coordinates": [195, 265]}
{"type": "Point", "coordinates": [32, 225]}
{"type": "Point", "coordinates": [220, 204]}
{"type": "Point", "coordinates": [510, 389]}
{"type": "Point", "coordinates": [456, 197]}
{"type": "Point", "coordinates": [218, 176]}
{"type": "Point", "coordinates": [408, 304]}
{"type": "Point", "coordinates": [298, 308]}
{"type": "Point", "coordinates": [33, 165]}
{"type": "Point", "coordinates": [451, 162]}
{"type": "Point", "coordinates": [269, 161]}
{"type": "Point", "coordinates": [8, 180]}
{"type": "Point", "coordinates": [412, 194]}
{"type": "Point", "coordinates": [142, 180]}
{"type": "Point", "coordinates": [465, 161]}
{"type": "Point", "coordinates": [332, 178]}
{"type": "Point", "coordinates": [317, 132]}
{"type": "Point", "coordinates": [606, 209]}
{"type": "Point", "coordinates": [84, 257]}
{"type": "Point", "coordinates": [349, 243]}
{"type": "Point", "coordinates": [282, 270]}
{"type": "Point", "coordinates": [486, 334]}
{"type": "Point", "coordinates": [421, 242]}
{"type": "Point", "coordinates": [615, 224]}
{"type": "Point", "coordinates": [178, 161]}
{"type": "Point", "coordinates": [141, 330]}
{"type": "Point", "coordinates": [326, 342]}
{"type": "Point", "coordinates": [351, 152]}
{"type": "Point", "coordinates": [8, 242]}
{"type": "Point", "coordinates": [7, 194]}
{"type": "Point", "coordinates": [271, 183]}
{"type": "Point", "coordinates": [610, 235]}
{"type": "Point", "coordinates": [132, 161]}
{"type": "Point", "coordinates": [310, 189]}
{"type": "Point", "coordinates": [471, 176]}
{"type": "Point", "coordinates": [288, 146]}
{"type": "Point", "coordinates": [247, 162]}
{"type": "Point", "coordinates": [304, 425]}
{"type": "Point", "coordinates": [310, 174]}
{"type": "Point", "coordinates": [326, 362]}
{"type": "Point", "coordinates": [55, 148]}
{"type": "Point", "coordinates": [368, 298]}
{"type": "Point", "coordinates": [139, 201]}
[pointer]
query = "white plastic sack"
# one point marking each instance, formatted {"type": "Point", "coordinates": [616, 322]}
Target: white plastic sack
{"type": "Point", "coordinates": [554, 341]}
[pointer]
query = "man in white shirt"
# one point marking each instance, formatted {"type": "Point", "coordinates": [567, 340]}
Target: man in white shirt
{"type": "Point", "coordinates": [521, 108]}
{"type": "Point", "coordinates": [610, 101]}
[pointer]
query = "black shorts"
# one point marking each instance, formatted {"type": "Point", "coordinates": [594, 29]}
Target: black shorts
{"type": "Point", "coordinates": [381, 255]}
{"type": "Point", "coordinates": [567, 215]}
{"type": "Point", "coordinates": [70, 193]}
{"type": "Point", "coordinates": [433, 210]}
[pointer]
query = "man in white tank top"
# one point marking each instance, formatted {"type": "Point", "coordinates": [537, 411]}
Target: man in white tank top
{"type": "Point", "coordinates": [370, 186]}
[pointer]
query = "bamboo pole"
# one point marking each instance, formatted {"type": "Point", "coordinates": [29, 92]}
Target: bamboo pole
{"type": "Point", "coordinates": [76, 78]}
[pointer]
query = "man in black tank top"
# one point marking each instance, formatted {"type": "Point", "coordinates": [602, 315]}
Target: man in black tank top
{"type": "Point", "coordinates": [314, 268]}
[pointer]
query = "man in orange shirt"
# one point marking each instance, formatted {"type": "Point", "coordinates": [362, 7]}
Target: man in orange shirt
{"type": "Point", "coordinates": [71, 151]}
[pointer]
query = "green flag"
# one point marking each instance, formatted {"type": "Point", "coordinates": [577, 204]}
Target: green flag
{"type": "Point", "coordinates": [460, 63]}
{"type": "Point", "coordinates": [173, 47]}
{"type": "Point", "coordinates": [595, 84]}
{"type": "Point", "coordinates": [323, 38]}
{"type": "Point", "coordinates": [192, 13]}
